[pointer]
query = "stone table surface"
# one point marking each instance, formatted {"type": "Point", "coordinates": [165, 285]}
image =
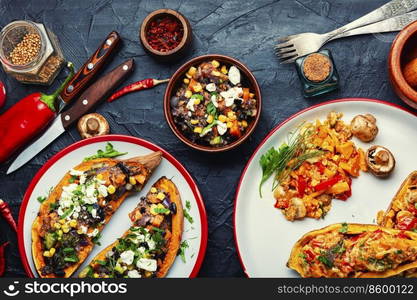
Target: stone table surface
{"type": "Point", "coordinates": [246, 30]}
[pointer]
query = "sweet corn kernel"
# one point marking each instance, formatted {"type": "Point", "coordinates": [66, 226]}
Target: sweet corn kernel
{"type": "Point", "coordinates": [73, 223]}
{"type": "Point", "coordinates": [46, 253]}
{"type": "Point", "coordinates": [79, 231]}
{"type": "Point", "coordinates": [57, 225]}
{"type": "Point", "coordinates": [186, 80]}
{"type": "Point", "coordinates": [210, 119]}
{"type": "Point", "coordinates": [215, 63]}
{"type": "Point", "coordinates": [52, 251]}
{"type": "Point", "coordinates": [188, 94]}
{"type": "Point", "coordinates": [160, 196]}
{"type": "Point", "coordinates": [152, 209]}
{"type": "Point", "coordinates": [99, 176]}
{"type": "Point", "coordinates": [224, 70]}
{"type": "Point", "coordinates": [188, 76]}
{"type": "Point", "coordinates": [111, 189]}
{"type": "Point", "coordinates": [96, 275]}
{"type": "Point", "coordinates": [197, 101]}
{"type": "Point", "coordinates": [132, 180]}
{"type": "Point", "coordinates": [194, 122]}
{"type": "Point", "coordinates": [60, 233]}
{"type": "Point", "coordinates": [65, 228]}
{"type": "Point", "coordinates": [222, 118]}
{"type": "Point", "coordinates": [251, 95]}
{"type": "Point", "coordinates": [198, 129]}
{"type": "Point", "coordinates": [215, 73]}
{"type": "Point", "coordinates": [244, 123]}
{"type": "Point", "coordinates": [192, 71]}
{"type": "Point", "coordinates": [62, 221]}
{"type": "Point", "coordinates": [229, 124]}
{"type": "Point", "coordinates": [230, 114]}
{"type": "Point", "coordinates": [154, 190]}
{"type": "Point", "coordinates": [198, 88]}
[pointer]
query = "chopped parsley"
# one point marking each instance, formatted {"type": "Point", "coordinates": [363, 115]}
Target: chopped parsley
{"type": "Point", "coordinates": [325, 261]}
{"type": "Point", "coordinates": [41, 199]}
{"type": "Point", "coordinates": [186, 212]}
{"type": "Point", "coordinates": [181, 252]}
{"type": "Point", "coordinates": [344, 228]}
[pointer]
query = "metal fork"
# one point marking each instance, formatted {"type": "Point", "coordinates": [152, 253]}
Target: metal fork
{"type": "Point", "coordinates": [294, 46]}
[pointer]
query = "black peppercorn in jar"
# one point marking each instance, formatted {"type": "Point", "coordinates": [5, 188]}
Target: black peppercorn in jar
{"type": "Point", "coordinates": [30, 52]}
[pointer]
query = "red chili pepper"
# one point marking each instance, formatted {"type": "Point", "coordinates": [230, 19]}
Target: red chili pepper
{"type": "Point", "coordinates": [407, 223]}
{"type": "Point", "coordinates": [310, 255]}
{"type": "Point", "coordinates": [136, 86]}
{"type": "Point", "coordinates": [328, 183]}
{"type": "Point", "coordinates": [2, 258]}
{"type": "Point", "coordinates": [7, 214]}
{"type": "Point", "coordinates": [27, 118]}
{"type": "Point", "coordinates": [320, 166]}
{"type": "Point", "coordinates": [164, 34]}
{"type": "Point", "coordinates": [301, 186]}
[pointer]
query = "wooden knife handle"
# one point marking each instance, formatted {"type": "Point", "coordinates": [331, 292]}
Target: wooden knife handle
{"type": "Point", "coordinates": [87, 72]}
{"type": "Point", "coordinates": [97, 92]}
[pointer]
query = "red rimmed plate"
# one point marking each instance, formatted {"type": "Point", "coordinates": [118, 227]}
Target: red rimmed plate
{"type": "Point", "coordinates": [264, 238]}
{"type": "Point", "coordinates": [50, 174]}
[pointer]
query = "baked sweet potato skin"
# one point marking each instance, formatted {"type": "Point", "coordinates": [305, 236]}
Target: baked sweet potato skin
{"type": "Point", "coordinates": [350, 229]}
{"type": "Point", "coordinates": [43, 216]}
{"type": "Point", "coordinates": [176, 230]}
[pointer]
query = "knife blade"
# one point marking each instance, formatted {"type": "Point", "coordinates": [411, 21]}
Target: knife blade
{"type": "Point", "coordinates": [92, 96]}
{"type": "Point", "coordinates": [88, 71]}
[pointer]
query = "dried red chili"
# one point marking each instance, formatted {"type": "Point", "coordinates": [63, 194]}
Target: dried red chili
{"type": "Point", "coordinates": [136, 86]}
{"type": "Point", "coordinates": [165, 34]}
{"type": "Point", "coordinates": [2, 258]}
{"type": "Point", "coordinates": [7, 214]}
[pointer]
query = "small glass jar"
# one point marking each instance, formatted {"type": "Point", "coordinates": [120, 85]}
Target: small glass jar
{"type": "Point", "coordinates": [317, 73]}
{"type": "Point", "coordinates": [30, 52]}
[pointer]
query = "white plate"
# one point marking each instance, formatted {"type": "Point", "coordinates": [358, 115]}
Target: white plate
{"type": "Point", "coordinates": [265, 238]}
{"type": "Point", "coordinates": [52, 172]}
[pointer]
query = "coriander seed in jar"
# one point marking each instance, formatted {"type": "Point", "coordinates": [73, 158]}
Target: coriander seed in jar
{"type": "Point", "coordinates": [30, 52]}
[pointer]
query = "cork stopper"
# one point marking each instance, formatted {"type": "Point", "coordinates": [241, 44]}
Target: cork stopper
{"type": "Point", "coordinates": [317, 67]}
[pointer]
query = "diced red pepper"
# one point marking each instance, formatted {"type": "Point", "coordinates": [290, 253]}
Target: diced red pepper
{"type": "Point", "coordinates": [357, 237]}
{"type": "Point", "coordinates": [402, 235]}
{"type": "Point", "coordinates": [301, 186]}
{"type": "Point", "coordinates": [328, 183]}
{"type": "Point", "coordinates": [407, 223]}
{"type": "Point", "coordinates": [310, 255]}
{"type": "Point", "coordinates": [320, 166]}
{"type": "Point", "coordinates": [412, 209]}
{"type": "Point", "coordinates": [282, 203]}
{"type": "Point", "coordinates": [315, 243]}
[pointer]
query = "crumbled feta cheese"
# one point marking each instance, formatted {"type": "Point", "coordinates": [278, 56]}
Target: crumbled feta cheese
{"type": "Point", "coordinates": [204, 132]}
{"type": "Point", "coordinates": [190, 114]}
{"type": "Point", "coordinates": [221, 127]}
{"type": "Point", "coordinates": [75, 215]}
{"type": "Point", "coordinates": [147, 264]}
{"type": "Point", "coordinates": [90, 200]}
{"type": "Point", "coordinates": [102, 189]}
{"type": "Point", "coordinates": [234, 75]}
{"type": "Point", "coordinates": [77, 173]}
{"type": "Point", "coordinates": [83, 229]}
{"type": "Point", "coordinates": [150, 242]}
{"type": "Point", "coordinates": [214, 100]}
{"type": "Point", "coordinates": [89, 192]}
{"type": "Point", "coordinates": [211, 87]}
{"type": "Point", "coordinates": [60, 211]}
{"type": "Point", "coordinates": [231, 94]}
{"type": "Point", "coordinates": [109, 253]}
{"type": "Point", "coordinates": [190, 104]}
{"type": "Point", "coordinates": [141, 250]}
{"type": "Point", "coordinates": [93, 233]}
{"type": "Point", "coordinates": [133, 274]}
{"type": "Point", "coordinates": [127, 257]}
{"type": "Point", "coordinates": [94, 213]}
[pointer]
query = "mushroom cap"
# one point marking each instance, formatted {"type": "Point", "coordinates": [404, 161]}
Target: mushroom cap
{"type": "Point", "coordinates": [364, 127]}
{"type": "Point", "coordinates": [380, 161]}
{"type": "Point", "coordinates": [92, 124]}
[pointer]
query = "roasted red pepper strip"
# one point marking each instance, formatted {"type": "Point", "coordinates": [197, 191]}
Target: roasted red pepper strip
{"type": "Point", "coordinates": [301, 186]}
{"type": "Point", "coordinates": [7, 214]}
{"type": "Point", "coordinates": [320, 166]}
{"type": "Point", "coordinates": [2, 258]}
{"type": "Point", "coordinates": [27, 118]}
{"type": "Point", "coordinates": [136, 86]}
{"type": "Point", "coordinates": [310, 256]}
{"type": "Point", "coordinates": [328, 183]}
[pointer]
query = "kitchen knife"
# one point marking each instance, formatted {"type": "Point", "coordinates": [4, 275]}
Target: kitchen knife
{"type": "Point", "coordinates": [92, 96]}
{"type": "Point", "coordinates": [87, 72]}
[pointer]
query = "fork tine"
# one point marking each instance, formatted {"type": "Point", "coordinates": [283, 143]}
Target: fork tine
{"type": "Point", "coordinates": [281, 51]}
{"type": "Point", "coordinates": [283, 45]}
{"type": "Point", "coordinates": [290, 60]}
{"type": "Point", "coordinates": [287, 38]}
{"type": "Point", "coordinates": [288, 55]}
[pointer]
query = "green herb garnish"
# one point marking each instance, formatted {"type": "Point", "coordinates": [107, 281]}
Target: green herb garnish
{"type": "Point", "coordinates": [41, 199]}
{"type": "Point", "coordinates": [96, 239]}
{"type": "Point", "coordinates": [184, 245]}
{"type": "Point", "coordinates": [161, 210]}
{"type": "Point", "coordinates": [344, 228]}
{"type": "Point", "coordinates": [101, 262]}
{"type": "Point", "coordinates": [188, 217]}
{"type": "Point", "coordinates": [325, 261]}
{"type": "Point", "coordinates": [67, 212]}
{"type": "Point", "coordinates": [211, 109]}
{"type": "Point", "coordinates": [188, 204]}
{"type": "Point", "coordinates": [109, 152]}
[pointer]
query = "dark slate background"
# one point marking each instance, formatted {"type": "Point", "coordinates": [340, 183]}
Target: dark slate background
{"type": "Point", "coordinates": [246, 30]}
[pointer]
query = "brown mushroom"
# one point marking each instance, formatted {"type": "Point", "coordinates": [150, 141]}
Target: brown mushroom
{"type": "Point", "coordinates": [380, 161]}
{"type": "Point", "coordinates": [93, 125]}
{"type": "Point", "coordinates": [364, 127]}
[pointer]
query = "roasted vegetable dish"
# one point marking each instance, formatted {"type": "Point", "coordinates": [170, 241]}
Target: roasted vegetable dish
{"type": "Point", "coordinates": [354, 250]}
{"type": "Point", "coordinates": [150, 246]}
{"type": "Point", "coordinates": [213, 107]}
{"type": "Point", "coordinates": [316, 165]}
{"type": "Point", "coordinates": [71, 218]}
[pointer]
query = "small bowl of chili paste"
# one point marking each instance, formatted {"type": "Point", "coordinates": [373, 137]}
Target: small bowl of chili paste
{"type": "Point", "coordinates": [165, 33]}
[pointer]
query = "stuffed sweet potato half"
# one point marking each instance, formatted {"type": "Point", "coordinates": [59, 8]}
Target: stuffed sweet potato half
{"type": "Point", "coordinates": [71, 218]}
{"type": "Point", "coordinates": [149, 248]}
{"type": "Point", "coordinates": [354, 250]}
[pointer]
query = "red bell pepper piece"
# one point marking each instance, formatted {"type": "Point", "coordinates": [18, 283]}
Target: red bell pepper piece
{"type": "Point", "coordinates": [301, 186]}
{"type": "Point", "coordinates": [407, 223]}
{"type": "Point", "coordinates": [328, 183]}
{"type": "Point", "coordinates": [282, 203]}
{"type": "Point", "coordinates": [402, 235]}
{"type": "Point", "coordinates": [320, 166]}
{"type": "Point", "coordinates": [27, 118]}
{"type": "Point", "coordinates": [412, 209]}
{"type": "Point", "coordinates": [310, 255]}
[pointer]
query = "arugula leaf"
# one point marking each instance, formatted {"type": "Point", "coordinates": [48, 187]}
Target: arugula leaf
{"type": "Point", "coordinates": [108, 153]}
{"type": "Point", "coordinates": [269, 163]}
